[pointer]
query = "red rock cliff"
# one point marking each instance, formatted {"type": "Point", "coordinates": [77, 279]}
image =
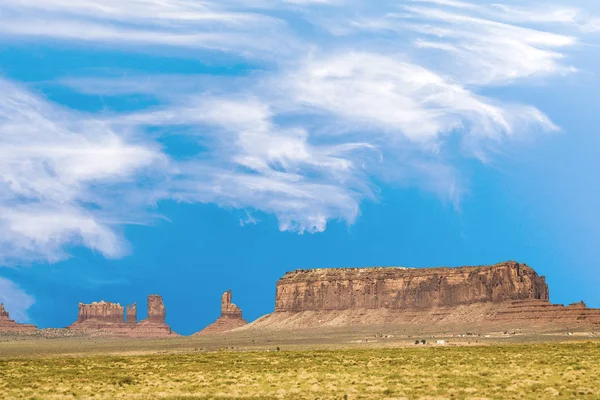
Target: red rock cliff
{"type": "Point", "coordinates": [131, 314]}
{"type": "Point", "coordinates": [8, 325]}
{"type": "Point", "coordinates": [231, 317]}
{"type": "Point", "coordinates": [228, 308]}
{"type": "Point", "coordinates": [110, 317]}
{"type": "Point", "coordinates": [102, 311]}
{"type": "Point", "coordinates": [407, 288]}
{"type": "Point", "coordinates": [156, 309]}
{"type": "Point", "coordinates": [155, 324]}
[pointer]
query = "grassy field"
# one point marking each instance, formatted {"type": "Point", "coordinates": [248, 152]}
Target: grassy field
{"type": "Point", "coordinates": [525, 371]}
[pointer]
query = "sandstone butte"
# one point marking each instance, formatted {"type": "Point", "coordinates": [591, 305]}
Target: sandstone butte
{"type": "Point", "coordinates": [8, 325]}
{"type": "Point", "coordinates": [497, 295]}
{"type": "Point", "coordinates": [231, 317]}
{"type": "Point", "coordinates": [114, 319]}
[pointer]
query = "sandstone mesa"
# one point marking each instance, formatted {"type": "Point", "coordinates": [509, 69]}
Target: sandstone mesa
{"type": "Point", "coordinates": [499, 296]}
{"type": "Point", "coordinates": [407, 288]}
{"type": "Point", "coordinates": [493, 296]}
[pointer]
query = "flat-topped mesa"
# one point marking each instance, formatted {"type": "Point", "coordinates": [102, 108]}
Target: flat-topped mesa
{"type": "Point", "coordinates": [8, 325]}
{"type": "Point", "coordinates": [101, 313]}
{"type": "Point", "coordinates": [231, 317]}
{"type": "Point", "coordinates": [499, 296]}
{"type": "Point", "coordinates": [407, 288]}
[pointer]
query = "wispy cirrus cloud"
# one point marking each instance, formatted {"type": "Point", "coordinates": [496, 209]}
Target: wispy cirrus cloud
{"type": "Point", "coordinates": [486, 51]}
{"type": "Point", "coordinates": [516, 12]}
{"type": "Point", "coordinates": [371, 92]}
{"type": "Point", "coordinates": [401, 99]}
{"type": "Point", "coordinates": [342, 120]}
{"type": "Point", "coordinates": [254, 163]}
{"type": "Point", "coordinates": [177, 23]}
{"type": "Point", "coordinates": [591, 25]}
{"type": "Point", "coordinates": [15, 300]}
{"type": "Point", "coordinates": [478, 44]}
{"type": "Point", "coordinates": [53, 166]}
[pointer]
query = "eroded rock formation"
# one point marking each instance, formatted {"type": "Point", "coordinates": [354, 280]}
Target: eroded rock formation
{"type": "Point", "coordinates": [156, 309]}
{"type": "Point", "coordinates": [500, 293]}
{"type": "Point", "coordinates": [228, 309]}
{"type": "Point", "coordinates": [155, 324]}
{"type": "Point", "coordinates": [113, 318]}
{"type": "Point", "coordinates": [8, 325]}
{"type": "Point", "coordinates": [100, 312]}
{"type": "Point", "coordinates": [231, 317]}
{"type": "Point", "coordinates": [407, 288]}
{"type": "Point", "coordinates": [131, 314]}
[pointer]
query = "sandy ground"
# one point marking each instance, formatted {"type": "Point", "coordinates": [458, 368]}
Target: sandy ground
{"type": "Point", "coordinates": [360, 362]}
{"type": "Point", "coordinates": [297, 339]}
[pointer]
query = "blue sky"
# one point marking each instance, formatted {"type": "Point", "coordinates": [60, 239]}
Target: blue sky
{"type": "Point", "coordinates": [188, 147]}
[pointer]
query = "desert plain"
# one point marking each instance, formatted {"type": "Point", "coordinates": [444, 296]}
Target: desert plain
{"type": "Point", "coordinates": [304, 364]}
{"type": "Point", "coordinates": [382, 333]}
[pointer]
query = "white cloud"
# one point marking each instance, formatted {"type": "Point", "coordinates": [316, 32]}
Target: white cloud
{"type": "Point", "coordinates": [478, 44]}
{"type": "Point", "coordinates": [487, 51]}
{"type": "Point", "coordinates": [56, 167]}
{"type": "Point", "coordinates": [254, 163]}
{"type": "Point", "coordinates": [539, 13]}
{"type": "Point", "coordinates": [40, 232]}
{"type": "Point", "coordinates": [383, 93]}
{"type": "Point", "coordinates": [15, 300]}
{"type": "Point", "coordinates": [300, 203]}
{"type": "Point", "coordinates": [387, 95]}
{"type": "Point", "coordinates": [591, 25]}
{"type": "Point", "coordinates": [177, 23]}
{"type": "Point", "coordinates": [343, 119]}
{"type": "Point", "coordinates": [177, 12]}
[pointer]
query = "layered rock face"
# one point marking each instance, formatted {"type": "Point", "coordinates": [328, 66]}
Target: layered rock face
{"type": "Point", "coordinates": [113, 318]}
{"type": "Point", "coordinates": [231, 317]}
{"type": "Point", "coordinates": [155, 324]}
{"type": "Point", "coordinates": [156, 309]}
{"type": "Point", "coordinates": [498, 295]}
{"type": "Point", "coordinates": [404, 288]}
{"type": "Point", "coordinates": [100, 312]}
{"type": "Point", "coordinates": [8, 325]}
{"type": "Point", "coordinates": [131, 314]}
{"type": "Point", "coordinates": [99, 315]}
{"type": "Point", "coordinates": [228, 309]}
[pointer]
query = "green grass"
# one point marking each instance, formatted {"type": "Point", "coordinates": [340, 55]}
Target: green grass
{"type": "Point", "coordinates": [525, 371]}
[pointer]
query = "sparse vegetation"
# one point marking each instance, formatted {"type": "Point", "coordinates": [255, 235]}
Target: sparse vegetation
{"type": "Point", "coordinates": [526, 371]}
